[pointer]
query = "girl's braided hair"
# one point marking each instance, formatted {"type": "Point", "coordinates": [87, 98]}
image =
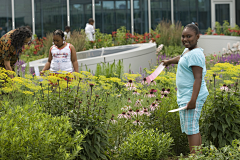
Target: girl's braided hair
{"type": "Point", "coordinates": [59, 32]}
{"type": "Point", "coordinates": [193, 26]}
{"type": "Point", "coordinates": [19, 36]}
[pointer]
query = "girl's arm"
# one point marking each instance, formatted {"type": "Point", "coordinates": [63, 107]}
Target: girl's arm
{"type": "Point", "coordinates": [171, 61]}
{"type": "Point", "coordinates": [47, 65]}
{"type": "Point", "coordinates": [74, 58]}
{"type": "Point", "coordinates": [197, 73]}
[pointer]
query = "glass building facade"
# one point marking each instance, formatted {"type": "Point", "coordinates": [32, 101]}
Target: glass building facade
{"type": "Point", "coordinates": [138, 16]}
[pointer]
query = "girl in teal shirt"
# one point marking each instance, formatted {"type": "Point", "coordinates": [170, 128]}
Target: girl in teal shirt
{"type": "Point", "coordinates": [191, 87]}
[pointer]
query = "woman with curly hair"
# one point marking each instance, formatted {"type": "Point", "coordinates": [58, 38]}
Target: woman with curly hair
{"type": "Point", "coordinates": [11, 45]}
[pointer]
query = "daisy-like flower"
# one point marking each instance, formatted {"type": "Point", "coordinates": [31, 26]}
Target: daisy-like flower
{"type": "Point", "coordinates": [126, 108]}
{"type": "Point", "coordinates": [224, 88]}
{"type": "Point", "coordinates": [123, 115]}
{"type": "Point", "coordinates": [136, 93]}
{"type": "Point", "coordinates": [157, 101]}
{"type": "Point", "coordinates": [153, 83]}
{"type": "Point", "coordinates": [137, 122]}
{"type": "Point", "coordinates": [145, 111]}
{"type": "Point", "coordinates": [166, 91]}
{"type": "Point", "coordinates": [164, 95]}
{"type": "Point", "coordinates": [138, 102]}
{"type": "Point", "coordinates": [153, 106]}
{"type": "Point", "coordinates": [131, 112]}
{"type": "Point", "coordinates": [144, 81]}
{"type": "Point", "coordinates": [113, 121]}
{"type": "Point", "coordinates": [129, 100]}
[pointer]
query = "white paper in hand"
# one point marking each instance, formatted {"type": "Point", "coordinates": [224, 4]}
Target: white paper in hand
{"type": "Point", "coordinates": [179, 109]}
{"type": "Point", "coordinates": [155, 73]}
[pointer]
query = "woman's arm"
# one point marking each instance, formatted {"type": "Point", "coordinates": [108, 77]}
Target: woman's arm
{"type": "Point", "coordinates": [74, 58]}
{"type": "Point", "coordinates": [171, 61]}
{"type": "Point", "coordinates": [197, 73]}
{"type": "Point", "coordinates": [47, 65]}
{"type": "Point", "coordinates": [8, 67]}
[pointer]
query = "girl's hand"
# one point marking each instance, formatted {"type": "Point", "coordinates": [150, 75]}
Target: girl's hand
{"type": "Point", "coordinates": [165, 62]}
{"type": "Point", "coordinates": [191, 105]}
{"type": "Point", "coordinates": [41, 73]}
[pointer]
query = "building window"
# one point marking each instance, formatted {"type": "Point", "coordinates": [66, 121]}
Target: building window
{"type": "Point", "coordinates": [160, 10]}
{"type": "Point", "coordinates": [6, 17]}
{"type": "Point", "coordinates": [140, 8]}
{"type": "Point", "coordinates": [188, 11]}
{"type": "Point", "coordinates": [80, 12]}
{"type": "Point", "coordinates": [237, 12]}
{"type": "Point", "coordinates": [112, 14]}
{"type": "Point", "coordinates": [49, 16]}
{"type": "Point", "coordinates": [23, 13]}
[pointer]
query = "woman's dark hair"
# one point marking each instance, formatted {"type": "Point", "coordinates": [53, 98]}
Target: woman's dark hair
{"type": "Point", "coordinates": [90, 20]}
{"type": "Point", "coordinates": [67, 27]}
{"type": "Point", "coordinates": [19, 36]}
{"type": "Point", "coordinates": [193, 26]}
{"type": "Point", "coordinates": [58, 32]}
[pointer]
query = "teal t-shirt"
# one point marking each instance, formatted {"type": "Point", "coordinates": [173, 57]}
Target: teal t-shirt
{"type": "Point", "coordinates": [185, 78]}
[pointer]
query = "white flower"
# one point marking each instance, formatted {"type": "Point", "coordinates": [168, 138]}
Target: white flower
{"type": "Point", "coordinates": [160, 47]}
{"type": "Point", "coordinates": [235, 45]}
{"type": "Point", "coordinates": [224, 50]}
{"type": "Point", "coordinates": [228, 46]}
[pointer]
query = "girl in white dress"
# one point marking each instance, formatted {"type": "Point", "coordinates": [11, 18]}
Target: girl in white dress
{"type": "Point", "coordinates": [62, 55]}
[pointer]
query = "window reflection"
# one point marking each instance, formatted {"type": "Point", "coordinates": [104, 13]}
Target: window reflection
{"type": "Point", "coordinates": [6, 17]}
{"type": "Point", "coordinates": [160, 10]}
{"type": "Point", "coordinates": [50, 15]}
{"type": "Point", "coordinates": [238, 12]}
{"type": "Point", "coordinates": [112, 14]}
{"type": "Point", "coordinates": [140, 16]}
{"type": "Point", "coordinates": [23, 13]}
{"type": "Point", "coordinates": [80, 12]}
{"type": "Point", "coordinates": [188, 11]}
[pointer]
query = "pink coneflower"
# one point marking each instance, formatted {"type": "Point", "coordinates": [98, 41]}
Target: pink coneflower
{"type": "Point", "coordinates": [138, 102]}
{"type": "Point", "coordinates": [153, 106]}
{"type": "Point", "coordinates": [166, 91]}
{"type": "Point", "coordinates": [153, 83]}
{"type": "Point", "coordinates": [113, 121]}
{"type": "Point", "coordinates": [131, 112]}
{"type": "Point", "coordinates": [153, 91]}
{"type": "Point", "coordinates": [224, 88]}
{"type": "Point", "coordinates": [126, 108]}
{"type": "Point", "coordinates": [129, 100]}
{"type": "Point", "coordinates": [136, 93]}
{"type": "Point", "coordinates": [130, 84]}
{"type": "Point", "coordinates": [137, 122]}
{"type": "Point", "coordinates": [150, 95]}
{"type": "Point", "coordinates": [157, 101]}
{"type": "Point", "coordinates": [144, 81]}
{"type": "Point", "coordinates": [91, 85]}
{"type": "Point", "coordinates": [123, 115]}
{"type": "Point", "coordinates": [145, 111]}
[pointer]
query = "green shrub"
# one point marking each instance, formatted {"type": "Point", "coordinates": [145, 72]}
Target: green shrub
{"type": "Point", "coordinates": [169, 34]}
{"type": "Point", "coordinates": [172, 50]}
{"type": "Point", "coordinates": [230, 152]}
{"type": "Point", "coordinates": [146, 144]}
{"type": "Point", "coordinates": [226, 27]}
{"type": "Point", "coordinates": [218, 28]}
{"type": "Point", "coordinates": [220, 121]}
{"type": "Point", "coordinates": [26, 133]}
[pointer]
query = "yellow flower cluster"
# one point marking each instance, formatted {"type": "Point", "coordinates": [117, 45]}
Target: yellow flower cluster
{"type": "Point", "coordinates": [226, 72]}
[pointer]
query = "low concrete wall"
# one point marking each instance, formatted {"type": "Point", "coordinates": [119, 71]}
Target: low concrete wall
{"type": "Point", "coordinates": [213, 44]}
{"type": "Point", "coordinates": [136, 55]}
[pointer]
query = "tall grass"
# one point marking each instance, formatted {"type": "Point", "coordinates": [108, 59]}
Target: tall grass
{"type": "Point", "coordinates": [170, 34]}
{"type": "Point", "coordinates": [78, 39]}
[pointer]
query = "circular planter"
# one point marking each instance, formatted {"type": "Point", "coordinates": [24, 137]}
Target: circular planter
{"type": "Point", "coordinates": [136, 55]}
{"type": "Point", "coordinates": [213, 44]}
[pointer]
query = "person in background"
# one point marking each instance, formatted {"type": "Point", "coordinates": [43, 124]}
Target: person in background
{"type": "Point", "coordinates": [89, 30]}
{"type": "Point", "coordinates": [191, 86]}
{"type": "Point", "coordinates": [62, 55]}
{"type": "Point", "coordinates": [11, 46]}
{"type": "Point", "coordinates": [67, 32]}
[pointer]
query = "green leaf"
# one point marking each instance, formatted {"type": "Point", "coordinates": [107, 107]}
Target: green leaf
{"type": "Point", "coordinates": [214, 134]}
